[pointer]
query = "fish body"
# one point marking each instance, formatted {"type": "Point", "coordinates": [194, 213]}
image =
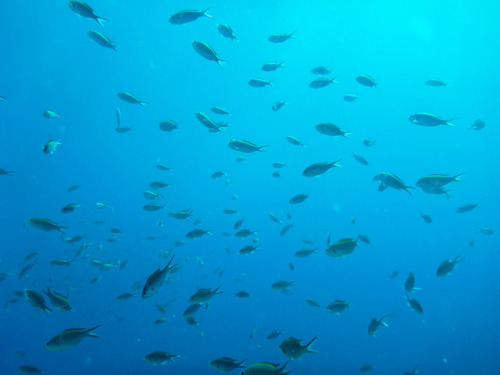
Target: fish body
{"type": "Point", "coordinates": [341, 248]}
{"type": "Point", "coordinates": [69, 208]}
{"type": "Point", "coordinates": [129, 98]}
{"type": "Point", "coordinates": [272, 66]}
{"type": "Point", "coordinates": [101, 39]}
{"type": "Point", "coordinates": [447, 266]}
{"type": "Point", "coordinates": [366, 368]}
{"type": "Point", "coordinates": [375, 324]}
{"type": "Point", "coordinates": [29, 369]}
{"type": "Point", "coordinates": [360, 159]}
{"type": "Point", "coordinates": [204, 295]}
{"type": "Point", "coordinates": [319, 83]}
{"type": "Point", "coordinates": [466, 208]}
{"type": "Point", "coordinates": [220, 111]}
{"type": "Point", "coordinates": [286, 228]}
{"type": "Point", "coordinates": [282, 285]}
{"type": "Point", "coordinates": [391, 180]}
{"type": "Point", "coordinates": [436, 83]}
{"type": "Point", "coordinates": [293, 349]}
{"type": "Point", "coordinates": [280, 38]}
{"type": "Point", "coordinates": [249, 249]}
{"type": "Point", "coordinates": [48, 114]}
{"type": "Point", "coordinates": [45, 224]}
{"type": "Point", "coordinates": [303, 253]}
{"type": "Point", "coordinates": [159, 357]}
{"type": "Point", "coordinates": [327, 128]}
{"type": "Point", "coordinates": [167, 126]}
{"type": "Point", "coordinates": [321, 70]}
{"type": "Point", "coordinates": [69, 337]}
{"type": "Point", "coordinates": [427, 119]}
{"type": "Point", "coordinates": [226, 31]}
{"type": "Point", "coordinates": [278, 105]}
{"type": "Point", "coordinates": [426, 218]}
{"type": "Point", "coordinates": [317, 169]}
{"type": "Point", "coordinates": [50, 146]}
{"type": "Point", "coordinates": [299, 198]}
{"type": "Point", "coordinates": [85, 11]}
{"type": "Point", "coordinates": [188, 15]}
{"type": "Point", "coordinates": [58, 300]}
{"type": "Point", "coordinates": [478, 124]}
{"type": "Point", "coordinates": [225, 364]}
{"type": "Point", "coordinates": [265, 368]}
{"type": "Point", "coordinates": [294, 141]}
{"type": "Point", "coordinates": [36, 300]}
{"type": "Point", "coordinates": [410, 282]}
{"type": "Point", "coordinates": [207, 52]}
{"type": "Point", "coordinates": [181, 215]}
{"type": "Point", "coordinates": [366, 81]}
{"type": "Point", "coordinates": [414, 304]}
{"type": "Point", "coordinates": [245, 233]}
{"type": "Point", "coordinates": [207, 122]}
{"type": "Point", "coordinates": [435, 181]}
{"type": "Point", "coordinates": [4, 172]}
{"type": "Point", "coordinates": [156, 280]}
{"type": "Point", "coordinates": [151, 207]}
{"type": "Point", "coordinates": [197, 233]}
{"type": "Point", "coordinates": [244, 146]}
{"type": "Point", "coordinates": [350, 97]}
{"type": "Point", "coordinates": [337, 307]}
{"type": "Point", "coordinates": [258, 82]}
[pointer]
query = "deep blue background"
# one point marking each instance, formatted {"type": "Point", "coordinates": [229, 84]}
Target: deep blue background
{"type": "Point", "coordinates": [48, 62]}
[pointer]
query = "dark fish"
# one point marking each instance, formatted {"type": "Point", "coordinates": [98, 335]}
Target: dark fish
{"type": "Point", "coordinates": [189, 15]}
{"type": "Point", "coordinates": [168, 126]}
{"type": "Point", "coordinates": [447, 266]}
{"type": "Point", "coordinates": [414, 304]}
{"type": "Point", "coordinates": [321, 70]}
{"type": "Point", "coordinates": [467, 208]}
{"type": "Point", "coordinates": [226, 31]}
{"type": "Point", "coordinates": [317, 169]}
{"type": "Point", "coordinates": [280, 38]}
{"type": "Point", "coordinates": [258, 82]}
{"type": "Point", "coordinates": [299, 198]}
{"type": "Point", "coordinates": [101, 39]}
{"type": "Point", "coordinates": [360, 159]}
{"type": "Point", "coordinates": [366, 81]}
{"type": "Point", "coordinates": [272, 66]}
{"type": "Point", "coordinates": [410, 282]}
{"type": "Point", "coordinates": [391, 180]}
{"type": "Point", "coordinates": [478, 124]}
{"type": "Point", "coordinates": [244, 146]}
{"type": "Point", "coordinates": [375, 325]}
{"type": "Point", "coordinates": [286, 228]}
{"type": "Point", "coordinates": [321, 82]}
{"type": "Point", "coordinates": [427, 119]}
{"type": "Point", "coordinates": [220, 111]}
{"type": "Point", "coordinates": [129, 98]}
{"type": "Point", "coordinates": [85, 10]}
{"type": "Point", "coordinates": [435, 83]}
{"type": "Point", "coordinates": [278, 105]}
{"type": "Point", "coordinates": [327, 128]}
{"type": "Point", "coordinates": [426, 218]}
{"type": "Point", "coordinates": [207, 52]}
{"type": "Point", "coordinates": [350, 97]}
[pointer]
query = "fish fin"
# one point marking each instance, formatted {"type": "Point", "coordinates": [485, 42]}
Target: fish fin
{"type": "Point", "coordinates": [382, 187]}
{"type": "Point", "coordinates": [207, 15]}
{"type": "Point", "coordinates": [310, 343]}
{"type": "Point", "coordinates": [100, 19]}
{"type": "Point", "coordinates": [447, 122]}
{"type": "Point", "coordinates": [455, 178]}
{"type": "Point", "coordinates": [90, 333]}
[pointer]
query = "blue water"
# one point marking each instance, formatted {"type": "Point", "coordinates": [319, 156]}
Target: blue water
{"type": "Point", "coordinates": [49, 62]}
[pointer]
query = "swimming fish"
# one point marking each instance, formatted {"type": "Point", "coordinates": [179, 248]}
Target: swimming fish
{"type": "Point", "coordinates": [204, 50]}
{"type": "Point", "coordinates": [375, 324]}
{"type": "Point", "coordinates": [156, 280]}
{"type": "Point", "coordinates": [225, 364]}
{"type": "Point", "coordinates": [69, 337]}
{"type": "Point", "coordinates": [293, 349]}
{"type": "Point", "coordinates": [36, 300]}
{"type": "Point", "coordinates": [327, 128]}
{"type": "Point", "coordinates": [45, 224]}
{"type": "Point", "coordinates": [317, 169]}
{"type": "Point", "coordinates": [189, 15]}
{"type": "Point", "coordinates": [159, 357]}
{"type": "Point", "coordinates": [50, 146]}
{"type": "Point", "coordinates": [391, 180]}
{"type": "Point", "coordinates": [280, 38]}
{"type": "Point", "coordinates": [366, 81]}
{"type": "Point", "coordinates": [427, 119]}
{"type": "Point", "coordinates": [447, 266]}
{"type": "Point", "coordinates": [341, 248]}
{"type": "Point", "coordinates": [85, 10]}
{"type": "Point", "coordinates": [101, 39]}
{"type": "Point", "coordinates": [129, 98]}
{"type": "Point", "coordinates": [244, 146]}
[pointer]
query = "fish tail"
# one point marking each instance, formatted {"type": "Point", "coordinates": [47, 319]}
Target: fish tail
{"type": "Point", "coordinates": [90, 333]}
{"type": "Point", "coordinates": [100, 19]}
{"type": "Point", "coordinates": [447, 122]}
{"type": "Point", "coordinates": [310, 343]}
{"type": "Point", "coordinates": [455, 178]}
{"type": "Point", "coordinates": [205, 13]}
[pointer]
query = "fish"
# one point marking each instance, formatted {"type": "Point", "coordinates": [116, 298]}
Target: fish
{"type": "Point", "coordinates": [156, 280]}
{"type": "Point", "coordinates": [274, 218]}
{"type": "Point", "coordinates": [412, 372]}
{"type": "Point", "coordinates": [360, 159]}
{"type": "Point", "coordinates": [72, 188]}
{"type": "Point", "coordinates": [299, 198]}
{"type": "Point", "coordinates": [48, 114]}
{"type": "Point", "coordinates": [163, 167]}
{"type": "Point", "coordinates": [265, 368]}
{"type": "Point", "coordinates": [410, 283]}
{"type": "Point", "coordinates": [30, 369]}
{"type": "Point", "coordinates": [206, 121]}
{"type": "Point", "coordinates": [447, 266]}
{"type": "Point", "coordinates": [274, 334]}
{"type": "Point", "coordinates": [61, 262]}
{"type": "Point", "coordinates": [258, 82]}
{"type": "Point", "coordinates": [350, 97]}
{"type": "Point", "coordinates": [294, 141]}
{"type": "Point", "coordinates": [337, 307]}
{"type": "Point", "coordinates": [486, 230]}
{"type": "Point", "coordinates": [226, 31]}
{"type": "Point", "coordinates": [204, 295]}
{"type": "Point", "coordinates": [366, 368]}
{"type": "Point", "coordinates": [85, 11]}
{"type": "Point", "coordinates": [278, 105]}
{"type": "Point", "coordinates": [436, 181]}
{"type": "Point", "coordinates": [126, 296]}
{"type": "Point", "coordinates": [188, 15]}
{"type": "Point", "coordinates": [159, 357]}
{"type": "Point", "coordinates": [225, 364]}
{"type": "Point", "coordinates": [279, 164]}
{"type": "Point", "coordinates": [69, 337]}
{"type": "Point", "coordinates": [58, 300]}
{"type": "Point", "coordinates": [101, 39]}
{"type": "Point", "coordinates": [129, 98]}
{"type": "Point", "coordinates": [312, 302]}
{"type": "Point", "coordinates": [292, 348]}
{"type": "Point", "coordinates": [319, 83]}
{"type": "Point", "coordinates": [242, 294]}
{"type": "Point", "coordinates": [286, 228]}
{"type": "Point", "coordinates": [272, 66]}
{"type": "Point", "coordinates": [181, 215]}
{"type": "Point", "coordinates": [280, 38]}
{"type": "Point", "coordinates": [427, 119]}
{"type": "Point", "coordinates": [437, 190]}
{"type": "Point", "coordinates": [155, 185]}
{"type": "Point", "coordinates": [244, 146]}
{"type": "Point", "coordinates": [426, 218]}
{"type": "Point", "coordinates": [36, 300]}
{"type": "Point", "coordinates": [151, 195]}
{"type": "Point", "coordinates": [24, 271]}
{"type": "Point", "coordinates": [414, 304]}
{"type": "Point", "coordinates": [151, 207]}
{"type": "Point", "coordinates": [341, 248]}
{"type": "Point", "coordinates": [321, 70]}
{"type": "Point", "coordinates": [204, 50]}
{"type": "Point", "coordinates": [282, 285]}
{"type": "Point", "coordinates": [220, 111]}
{"type": "Point", "coordinates": [197, 233]}
{"type": "Point", "coordinates": [391, 180]}
{"type": "Point", "coordinates": [168, 125]}
{"type": "Point", "coordinates": [245, 233]}
{"type": "Point", "coordinates": [303, 253]}
{"type": "Point", "coordinates": [375, 324]}
{"type": "Point", "coordinates": [436, 83]}
{"type": "Point", "coordinates": [327, 128]}
{"type": "Point", "coordinates": [478, 124]}
{"type": "Point", "coordinates": [364, 238]}
{"type": "Point", "coordinates": [249, 249]}
{"type": "Point", "coordinates": [4, 172]}
{"type": "Point", "coordinates": [366, 81]}
{"type": "Point", "coordinates": [317, 169]}
{"type": "Point", "coordinates": [45, 224]}
{"type": "Point", "coordinates": [51, 146]}
{"type": "Point", "coordinates": [238, 224]}
{"type": "Point", "coordinates": [368, 142]}
{"type": "Point", "coordinates": [70, 207]}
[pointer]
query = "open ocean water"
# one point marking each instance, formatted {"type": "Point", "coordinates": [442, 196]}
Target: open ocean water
{"type": "Point", "coordinates": [86, 217]}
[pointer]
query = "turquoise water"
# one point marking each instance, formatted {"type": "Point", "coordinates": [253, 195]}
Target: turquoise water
{"type": "Point", "coordinates": [50, 63]}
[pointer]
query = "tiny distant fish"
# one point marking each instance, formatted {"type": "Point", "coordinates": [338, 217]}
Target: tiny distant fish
{"type": "Point", "coordinates": [321, 70]}
{"type": "Point", "coordinates": [278, 105]}
{"type": "Point", "coordinates": [101, 39]}
{"type": "Point", "coordinates": [286, 228]}
{"type": "Point", "coordinates": [50, 146]}
{"type": "Point", "coordinates": [156, 280]}
{"type": "Point", "coordinates": [4, 172]}
{"type": "Point", "coordinates": [322, 82]}
{"type": "Point", "coordinates": [220, 110]}
{"type": "Point", "coordinates": [244, 146]}
{"type": "Point", "coordinates": [317, 169]}
{"type": "Point", "coordinates": [414, 304]}
{"type": "Point", "coordinates": [294, 141]}
{"type": "Point", "coordinates": [279, 164]}
{"type": "Point", "coordinates": [258, 82]}
{"type": "Point", "coordinates": [29, 369]}
{"type": "Point", "coordinates": [366, 81]}
{"type": "Point", "coordinates": [226, 31]}
{"type": "Point", "coordinates": [375, 324]}
{"type": "Point", "coordinates": [467, 208]}
{"type": "Point", "coordinates": [280, 38]}
{"type": "Point", "coordinates": [478, 124]}
{"type": "Point", "coordinates": [73, 188]}
{"type": "Point", "coordinates": [327, 128]}
{"type": "Point", "coordinates": [85, 10]}
{"type": "Point", "coordinates": [350, 97]}
{"type": "Point", "coordinates": [436, 83]}
{"type": "Point", "coordinates": [168, 126]}
{"type": "Point", "coordinates": [207, 52]}
{"type": "Point", "coordinates": [272, 66]}
{"type": "Point", "coordinates": [360, 159]}
{"type": "Point", "coordinates": [189, 15]}
{"type": "Point", "coordinates": [426, 218]}
{"type": "Point", "coordinates": [159, 357]}
{"type": "Point", "coordinates": [129, 98]}
{"type": "Point", "coordinates": [368, 142]}
{"type": "Point", "coordinates": [48, 114]}
{"type": "Point", "coordinates": [299, 198]}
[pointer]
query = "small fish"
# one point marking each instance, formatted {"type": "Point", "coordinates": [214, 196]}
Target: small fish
{"type": "Point", "coordinates": [478, 124]}
{"type": "Point", "coordinates": [272, 66]}
{"type": "Point", "coordinates": [435, 181]}
{"type": "Point", "coordinates": [24, 271]}
{"type": "Point", "coordinates": [426, 218]}
{"type": "Point", "coordinates": [48, 114]}
{"type": "Point", "coordinates": [299, 198]}
{"type": "Point", "coordinates": [36, 300]}
{"type": "Point", "coordinates": [4, 172]}
{"type": "Point", "coordinates": [366, 368]}
{"type": "Point", "coordinates": [294, 141]}
{"type": "Point", "coordinates": [197, 233]}
{"type": "Point", "coordinates": [101, 39]}
{"type": "Point", "coordinates": [189, 15]}
{"type": "Point", "coordinates": [45, 224]}
{"type": "Point", "coordinates": [274, 334]}
{"type": "Point", "coordinates": [220, 111]}
{"type": "Point", "coordinates": [72, 188]}
{"type": "Point", "coordinates": [258, 82]}
{"type": "Point", "coordinates": [391, 180]}
{"type": "Point", "coordinates": [317, 169]}
{"type": "Point", "coordinates": [245, 233]}
{"type": "Point", "coordinates": [159, 357]}
{"type": "Point", "coordinates": [366, 81]}
{"type": "Point", "coordinates": [61, 262]}
{"type": "Point", "coordinates": [226, 31]}
{"type": "Point", "coordinates": [274, 218]}
{"type": "Point", "coordinates": [129, 98]}
{"type": "Point", "coordinates": [244, 146]}
{"type": "Point", "coordinates": [207, 52]}
{"type": "Point", "coordinates": [155, 185]}
{"type": "Point", "coordinates": [486, 230]}
{"type": "Point", "coordinates": [103, 206]}
{"type": "Point", "coordinates": [282, 285]}
{"type": "Point", "coordinates": [242, 294]}
{"type": "Point", "coordinates": [280, 38]}
{"type": "Point", "coordinates": [85, 11]}
{"type": "Point", "coordinates": [330, 129]}
{"type": "Point", "coordinates": [410, 283]}
{"type": "Point", "coordinates": [319, 83]}
{"type": "Point", "coordinates": [167, 126]}
{"type": "Point", "coordinates": [375, 324]}
{"type": "Point", "coordinates": [279, 164]}
{"type": "Point", "coordinates": [151, 207]}
{"type": "Point", "coordinates": [237, 225]}
{"type": "Point", "coordinates": [126, 296]}
{"type": "Point", "coordinates": [249, 249]}
{"type": "Point", "coordinates": [58, 300]}
{"type": "Point", "coordinates": [265, 368]}
{"type": "Point", "coordinates": [427, 119]}
{"type": "Point", "coordinates": [286, 228]}
{"type": "Point", "coordinates": [368, 142]}
{"type": "Point", "coordinates": [312, 302]}
{"type": "Point", "coordinates": [163, 167]}
{"type": "Point", "coordinates": [50, 146]}
{"type": "Point", "coordinates": [69, 337]}
{"type": "Point", "coordinates": [206, 121]}
{"type": "Point", "coordinates": [436, 83]}
{"type": "Point", "coordinates": [204, 295]}
{"type": "Point", "coordinates": [341, 248]}
{"type": "Point", "coordinates": [414, 304]}
{"type": "Point", "coordinates": [29, 369]}
{"type": "Point", "coordinates": [225, 364]}
{"type": "Point", "coordinates": [447, 266]}
{"type": "Point", "coordinates": [156, 280]}
{"type": "Point", "coordinates": [278, 105]}
{"type": "Point", "coordinates": [69, 208]}
{"type": "Point", "coordinates": [337, 307]}
{"type": "Point", "coordinates": [360, 159]}
{"type": "Point", "coordinates": [303, 253]}
{"type": "Point", "coordinates": [364, 238]}
{"type": "Point", "coordinates": [350, 97]}
{"type": "Point", "coordinates": [321, 70]}
{"type": "Point", "coordinates": [293, 349]}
